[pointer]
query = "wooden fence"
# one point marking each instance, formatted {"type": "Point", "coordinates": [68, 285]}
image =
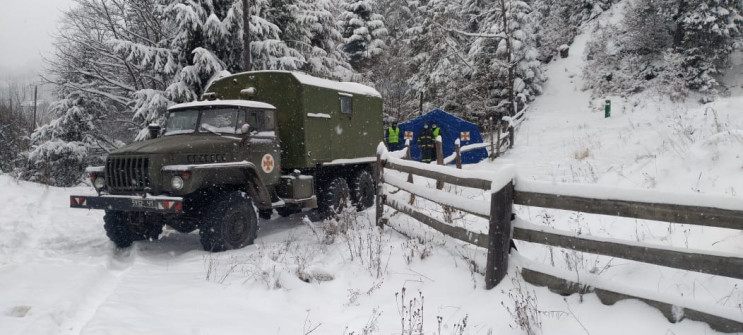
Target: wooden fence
{"type": "Point", "coordinates": [503, 137]}
{"type": "Point", "coordinates": [497, 240]}
{"type": "Point", "coordinates": [583, 199]}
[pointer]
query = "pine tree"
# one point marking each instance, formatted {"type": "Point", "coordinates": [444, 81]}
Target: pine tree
{"type": "Point", "coordinates": [706, 32]}
{"type": "Point", "coordinates": [309, 29]}
{"type": "Point", "coordinates": [364, 32]}
{"type": "Point", "coordinates": [506, 55]}
{"type": "Point", "coordinates": [434, 58]}
{"type": "Point", "coordinates": [389, 74]}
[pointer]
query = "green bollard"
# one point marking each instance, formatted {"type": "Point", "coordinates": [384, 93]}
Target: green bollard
{"type": "Point", "coordinates": [607, 108]}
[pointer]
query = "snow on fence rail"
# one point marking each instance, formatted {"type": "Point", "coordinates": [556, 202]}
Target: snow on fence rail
{"type": "Point", "coordinates": [506, 190]}
{"type": "Point", "coordinates": [640, 204]}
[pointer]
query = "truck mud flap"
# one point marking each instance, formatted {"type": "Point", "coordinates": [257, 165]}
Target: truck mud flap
{"type": "Point", "coordinates": [128, 204]}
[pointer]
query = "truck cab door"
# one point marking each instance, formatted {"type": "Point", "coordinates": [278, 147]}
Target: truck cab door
{"type": "Point", "coordinates": [261, 143]}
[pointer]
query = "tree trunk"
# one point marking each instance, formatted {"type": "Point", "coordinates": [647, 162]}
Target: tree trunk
{"type": "Point", "coordinates": [247, 56]}
{"type": "Point", "coordinates": [678, 35]}
{"type": "Point", "coordinates": [509, 51]}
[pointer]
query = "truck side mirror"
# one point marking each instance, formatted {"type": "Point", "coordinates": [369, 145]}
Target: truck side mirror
{"type": "Point", "coordinates": [245, 129]}
{"type": "Point", "coordinates": [154, 130]}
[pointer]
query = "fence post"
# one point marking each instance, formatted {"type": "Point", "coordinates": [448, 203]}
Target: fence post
{"type": "Point", "coordinates": [490, 130]}
{"type": "Point", "coordinates": [410, 175]}
{"type": "Point", "coordinates": [497, 142]}
{"type": "Point", "coordinates": [407, 157]}
{"type": "Point", "coordinates": [439, 160]}
{"type": "Point", "coordinates": [499, 235]}
{"type": "Point", "coordinates": [457, 147]}
{"type": "Point", "coordinates": [510, 137]}
{"type": "Point", "coordinates": [379, 172]}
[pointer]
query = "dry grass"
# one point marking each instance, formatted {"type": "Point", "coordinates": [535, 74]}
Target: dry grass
{"type": "Point", "coordinates": [582, 154]}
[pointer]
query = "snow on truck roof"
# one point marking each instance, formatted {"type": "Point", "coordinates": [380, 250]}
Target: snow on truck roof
{"type": "Point", "coordinates": [238, 103]}
{"type": "Point", "coordinates": [306, 79]}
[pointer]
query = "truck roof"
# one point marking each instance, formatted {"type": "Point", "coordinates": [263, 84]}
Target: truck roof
{"type": "Point", "coordinates": [306, 79]}
{"type": "Point", "coordinates": [238, 103]}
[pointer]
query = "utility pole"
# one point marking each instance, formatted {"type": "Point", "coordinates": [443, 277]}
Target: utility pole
{"type": "Point", "coordinates": [33, 125]}
{"type": "Point", "coordinates": [247, 56]}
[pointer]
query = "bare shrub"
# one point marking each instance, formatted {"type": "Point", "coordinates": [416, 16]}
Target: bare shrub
{"type": "Point", "coordinates": [524, 309]}
{"type": "Point", "coordinates": [215, 270]}
{"type": "Point", "coordinates": [371, 327]}
{"type": "Point", "coordinates": [365, 242]}
{"type": "Point", "coordinates": [416, 248]}
{"type": "Point", "coordinates": [411, 313]}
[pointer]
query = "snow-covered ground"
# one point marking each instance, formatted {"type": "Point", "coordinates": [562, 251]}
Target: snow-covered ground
{"type": "Point", "coordinates": [59, 274]}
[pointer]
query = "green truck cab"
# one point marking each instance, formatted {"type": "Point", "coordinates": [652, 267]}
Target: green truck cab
{"type": "Point", "coordinates": [257, 142]}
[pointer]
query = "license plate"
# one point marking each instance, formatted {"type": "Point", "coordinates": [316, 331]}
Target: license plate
{"type": "Point", "coordinates": [144, 203]}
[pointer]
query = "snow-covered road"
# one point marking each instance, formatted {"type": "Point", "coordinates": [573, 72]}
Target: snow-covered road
{"type": "Point", "coordinates": [60, 275]}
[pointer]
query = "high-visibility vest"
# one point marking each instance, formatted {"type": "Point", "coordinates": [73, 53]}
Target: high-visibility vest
{"type": "Point", "coordinates": [436, 132]}
{"type": "Point", "coordinates": [393, 135]}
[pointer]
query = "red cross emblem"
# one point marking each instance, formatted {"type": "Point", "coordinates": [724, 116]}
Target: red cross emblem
{"type": "Point", "coordinates": [464, 136]}
{"type": "Point", "coordinates": [408, 135]}
{"type": "Point", "coordinates": [267, 163]}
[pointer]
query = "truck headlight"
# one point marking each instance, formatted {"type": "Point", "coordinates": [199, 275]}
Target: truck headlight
{"type": "Point", "coordinates": [176, 183]}
{"type": "Point", "coordinates": [99, 183]}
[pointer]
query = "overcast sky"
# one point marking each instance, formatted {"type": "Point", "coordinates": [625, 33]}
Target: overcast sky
{"type": "Point", "coordinates": [26, 33]}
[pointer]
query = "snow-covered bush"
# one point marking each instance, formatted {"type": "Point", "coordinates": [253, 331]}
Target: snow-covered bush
{"type": "Point", "coordinates": [364, 241]}
{"type": "Point", "coordinates": [57, 163]}
{"type": "Point", "coordinates": [665, 45]}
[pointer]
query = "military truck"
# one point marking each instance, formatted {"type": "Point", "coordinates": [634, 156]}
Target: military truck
{"type": "Point", "coordinates": [256, 142]}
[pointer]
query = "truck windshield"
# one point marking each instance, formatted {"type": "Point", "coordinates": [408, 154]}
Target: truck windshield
{"type": "Point", "coordinates": [225, 120]}
{"type": "Point", "coordinates": [183, 122]}
{"type": "Point", "coordinates": [221, 121]}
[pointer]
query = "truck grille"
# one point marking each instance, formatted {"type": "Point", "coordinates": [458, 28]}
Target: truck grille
{"type": "Point", "coordinates": [127, 173]}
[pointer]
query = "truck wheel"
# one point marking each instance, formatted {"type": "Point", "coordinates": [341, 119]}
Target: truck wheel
{"type": "Point", "coordinates": [363, 190]}
{"type": "Point", "coordinates": [230, 223]}
{"type": "Point", "coordinates": [334, 196]}
{"type": "Point", "coordinates": [123, 228]}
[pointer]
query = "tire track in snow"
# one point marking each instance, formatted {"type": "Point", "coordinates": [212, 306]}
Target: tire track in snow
{"type": "Point", "coordinates": [101, 288]}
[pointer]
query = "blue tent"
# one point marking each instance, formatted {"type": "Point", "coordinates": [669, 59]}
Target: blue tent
{"type": "Point", "coordinates": [452, 128]}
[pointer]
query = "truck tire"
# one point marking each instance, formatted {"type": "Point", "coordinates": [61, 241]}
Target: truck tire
{"type": "Point", "coordinates": [334, 196]}
{"type": "Point", "coordinates": [123, 228]}
{"type": "Point", "coordinates": [230, 223]}
{"type": "Point", "coordinates": [363, 190]}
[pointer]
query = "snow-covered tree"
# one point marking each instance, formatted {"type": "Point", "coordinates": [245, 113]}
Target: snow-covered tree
{"type": "Point", "coordinates": [363, 31]}
{"type": "Point", "coordinates": [310, 30]}
{"type": "Point", "coordinates": [666, 45]}
{"type": "Point", "coordinates": [13, 134]}
{"type": "Point", "coordinates": [434, 56]}
{"type": "Point", "coordinates": [389, 73]}
{"type": "Point", "coordinates": [505, 54]}
{"type": "Point", "coordinates": [706, 32]}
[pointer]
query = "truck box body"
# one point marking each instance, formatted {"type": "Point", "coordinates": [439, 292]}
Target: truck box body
{"type": "Point", "coordinates": [314, 127]}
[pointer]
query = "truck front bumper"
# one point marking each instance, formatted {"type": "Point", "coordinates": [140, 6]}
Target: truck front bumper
{"type": "Point", "coordinates": [128, 203]}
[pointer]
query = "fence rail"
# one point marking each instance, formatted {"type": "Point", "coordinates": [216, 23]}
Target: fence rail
{"type": "Point", "coordinates": [597, 200]}
{"type": "Point", "coordinates": [696, 215]}
{"type": "Point", "coordinates": [583, 199]}
{"type": "Point", "coordinates": [691, 260]}
{"type": "Point", "coordinates": [497, 240]}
